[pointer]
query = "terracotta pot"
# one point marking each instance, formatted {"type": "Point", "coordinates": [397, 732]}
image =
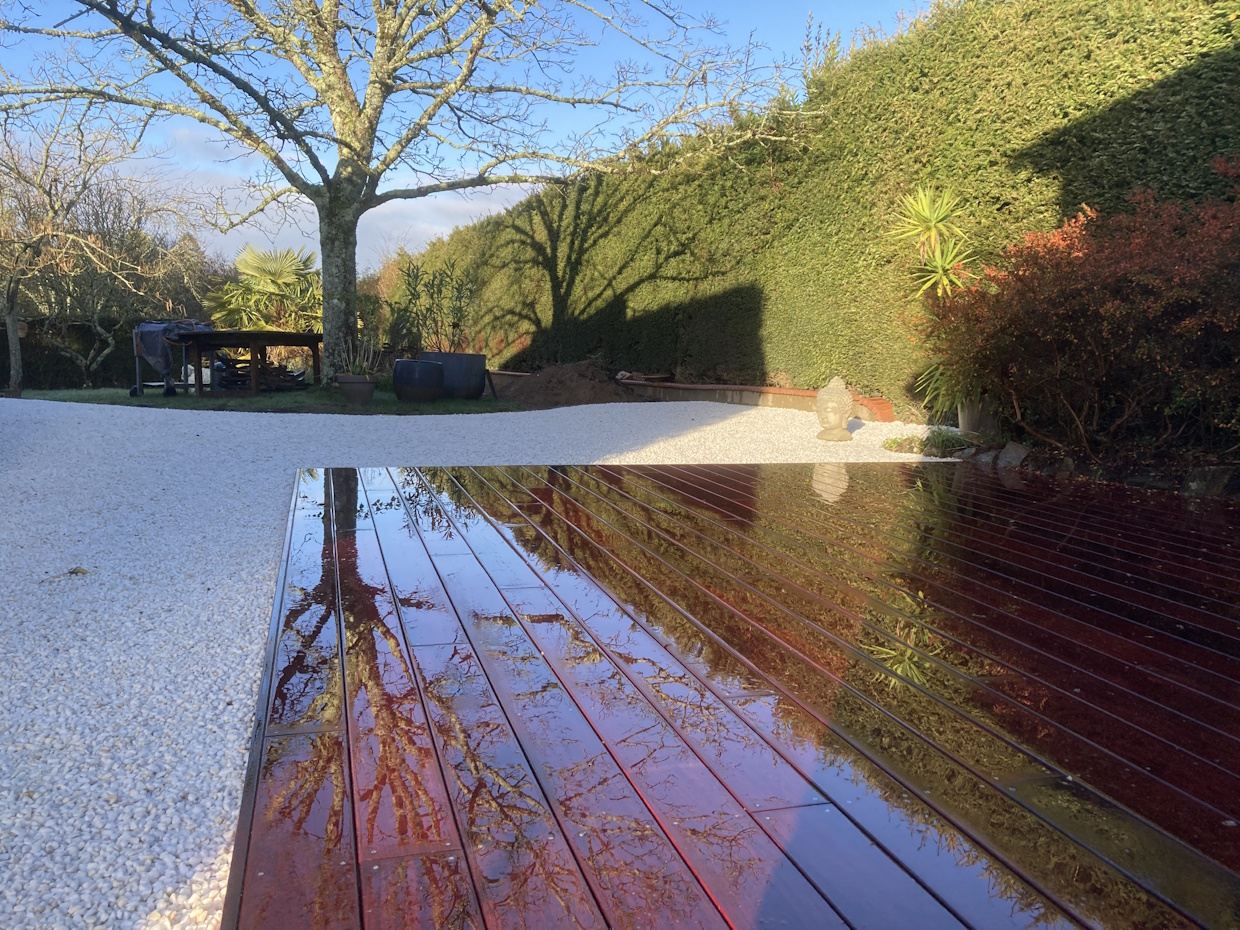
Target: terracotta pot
{"type": "Point", "coordinates": [417, 380]}
{"type": "Point", "coordinates": [358, 390]}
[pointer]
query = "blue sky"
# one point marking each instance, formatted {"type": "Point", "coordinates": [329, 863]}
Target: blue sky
{"type": "Point", "coordinates": [780, 24]}
{"type": "Point", "coordinates": [777, 24]}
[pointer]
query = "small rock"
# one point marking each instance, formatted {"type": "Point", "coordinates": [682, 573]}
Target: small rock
{"type": "Point", "coordinates": [986, 458]}
{"type": "Point", "coordinates": [1010, 478]}
{"type": "Point", "coordinates": [964, 454]}
{"type": "Point", "coordinates": [1209, 481]}
{"type": "Point", "coordinates": [1012, 455]}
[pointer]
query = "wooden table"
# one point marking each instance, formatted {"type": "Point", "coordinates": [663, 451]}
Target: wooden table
{"type": "Point", "coordinates": [257, 341]}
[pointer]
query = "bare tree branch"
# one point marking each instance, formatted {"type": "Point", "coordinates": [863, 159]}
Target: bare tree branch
{"type": "Point", "coordinates": [69, 212]}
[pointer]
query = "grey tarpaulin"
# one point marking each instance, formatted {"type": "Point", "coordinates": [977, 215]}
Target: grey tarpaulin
{"type": "Point", "coordinates": [153, 341]}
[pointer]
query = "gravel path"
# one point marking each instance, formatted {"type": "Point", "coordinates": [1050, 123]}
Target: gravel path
{"type": "Point", "coordinates": [127, 694]}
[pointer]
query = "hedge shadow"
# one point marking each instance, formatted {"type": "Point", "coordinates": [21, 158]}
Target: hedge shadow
{"type": "Point", "coordinates": [1164, 138]}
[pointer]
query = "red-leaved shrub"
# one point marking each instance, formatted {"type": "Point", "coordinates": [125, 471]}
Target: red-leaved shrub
{"type": "Point", "coordinates": [1110, 330]}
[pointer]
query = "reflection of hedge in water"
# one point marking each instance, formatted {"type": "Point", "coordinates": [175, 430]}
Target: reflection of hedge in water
{"type": "Point", "coordinates": [907, 535]}
{"type": "Point", "coordinates": [1027, 108]}
{"type": "Point", "coordinates": [1026, 840]}
{"type": "Point", "coordinates": [935, 509]}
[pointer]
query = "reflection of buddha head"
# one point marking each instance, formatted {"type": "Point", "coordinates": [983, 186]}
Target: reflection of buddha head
{"type": "Point", "coordinates": [835, 403]}
{"type": "Point", "coordinates": [830, 481]}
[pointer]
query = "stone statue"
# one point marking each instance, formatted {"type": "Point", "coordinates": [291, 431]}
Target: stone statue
{"type": "Point", "coordinates": [835, 403]}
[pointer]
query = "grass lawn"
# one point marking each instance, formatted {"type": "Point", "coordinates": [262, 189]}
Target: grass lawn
{"type": "Point", "coordinates": [311, 400]}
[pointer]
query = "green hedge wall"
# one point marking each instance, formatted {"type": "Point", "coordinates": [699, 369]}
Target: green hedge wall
{"type": "Point", "coordinates": [773, 265]}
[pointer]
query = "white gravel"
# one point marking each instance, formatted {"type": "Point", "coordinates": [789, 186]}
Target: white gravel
{"type": "Point", "coordinates": [127, 693]}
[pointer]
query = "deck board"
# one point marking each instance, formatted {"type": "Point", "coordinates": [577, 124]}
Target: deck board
{"type": "Point", "coordinates": [756, 696]}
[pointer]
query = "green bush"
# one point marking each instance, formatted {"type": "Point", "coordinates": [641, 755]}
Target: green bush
{"type": "Point", "coordinates": [773, 264]}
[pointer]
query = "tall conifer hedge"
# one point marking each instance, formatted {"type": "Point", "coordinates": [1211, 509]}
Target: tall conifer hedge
{"type": "Point", "coordinates": [773, 265]}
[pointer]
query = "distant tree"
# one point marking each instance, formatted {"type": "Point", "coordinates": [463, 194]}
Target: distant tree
{"type": "Point", "coordinates": [139, 264]}
{"type": "Point", "coordinates": [339, 97]}
{"type": "Point", "coordinates": [58, 177]}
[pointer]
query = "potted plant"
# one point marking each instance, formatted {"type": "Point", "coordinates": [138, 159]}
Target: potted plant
{"type": "Point", "coordinates": [944, 394]}
{"type": "Point", "coordinates": [414, 379]}
{"type": "Point", "coordinates": [359, 382]}
{"type": "Point", "coordinates": [440, 304]}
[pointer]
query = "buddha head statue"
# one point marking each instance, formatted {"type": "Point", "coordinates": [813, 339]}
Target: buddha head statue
{"type": "Point", "coordinates": [835, 403]}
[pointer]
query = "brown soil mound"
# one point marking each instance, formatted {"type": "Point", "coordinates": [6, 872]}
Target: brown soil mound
{"type": "Point", "coordinates": [566, 385]}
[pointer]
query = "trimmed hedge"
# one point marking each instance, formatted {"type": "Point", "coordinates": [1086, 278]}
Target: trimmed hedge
{"type": "Point", "coordinates": [774, 265]}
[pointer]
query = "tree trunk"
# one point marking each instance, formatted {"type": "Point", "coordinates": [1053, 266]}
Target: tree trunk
{"type": "Point", "coordinates": [15, 344]}
{"type": "Point", "coordinates": [338, 242]}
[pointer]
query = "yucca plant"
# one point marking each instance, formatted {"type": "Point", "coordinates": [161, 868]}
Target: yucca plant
{"type": "Point", "coordinates": [941, 267]}
{"type": "Point", "coordinates": [929, 217]}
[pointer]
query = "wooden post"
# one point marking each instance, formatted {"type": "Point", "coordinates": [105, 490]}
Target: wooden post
{"type": "Point", "coordinates": [318, 366]}
{"type": "Point", "coordinates": [197, 368]}
{"type": "Point", "coordinates": [255, 364]}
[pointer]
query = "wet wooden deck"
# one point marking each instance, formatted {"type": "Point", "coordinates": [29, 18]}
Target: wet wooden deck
{"type": "Point", "coordinates": [751, 696]}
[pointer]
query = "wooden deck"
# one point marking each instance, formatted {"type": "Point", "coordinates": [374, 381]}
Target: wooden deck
{"type": "Point", "coordinates": [871, 696]}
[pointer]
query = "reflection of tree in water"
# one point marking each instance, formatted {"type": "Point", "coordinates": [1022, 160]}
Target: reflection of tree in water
{"type": "Point", "coordinates": [623, 839]}
{"type": "Point", "coordinates": [304, 792]}
{"type": "Point", "coordinates": [398, 804]}
{"type": "Point", "coordinates": [432, 498]}
{"type": "Point", "coordinates": [513, 835]}
{"type": "Point", "coordinates": [386, 714]}
{"type": "Point", "coordinates": [626, 852]}
{"type": "Point", "coordinates": [423, 891]}
{"type": "Point", "coordinates": [294, 802]}
{"type": "Point", "coordinates": [307, 690]}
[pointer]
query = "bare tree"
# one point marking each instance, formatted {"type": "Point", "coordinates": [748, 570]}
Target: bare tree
{"type": "Point", "coordinates": [52, 162]}
{"type": "Point", "coordinates": [341, 96]}
{"type": "Point", "coordinates": [133, 259]}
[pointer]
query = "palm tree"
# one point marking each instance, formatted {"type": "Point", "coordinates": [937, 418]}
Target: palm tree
{"type": "Point", "coordinates": [275, 289]}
